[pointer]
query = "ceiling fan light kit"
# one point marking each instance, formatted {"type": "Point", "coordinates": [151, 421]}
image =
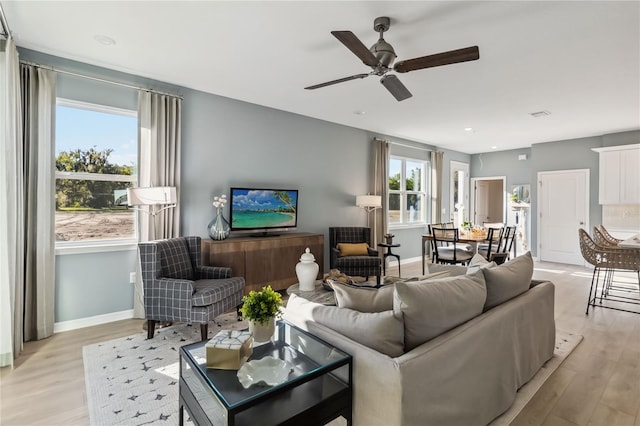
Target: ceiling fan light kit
{"type": "Point", "coordinates": [381, 55]}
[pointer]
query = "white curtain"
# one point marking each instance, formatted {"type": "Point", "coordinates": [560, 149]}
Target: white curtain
{"type": "Point", "coordinates": [159, 142]}
{"type": "Point", "coordinates": [436, 186]}
{"type": "Point", "coordinates": [380, 187]}
{"type": "Point", "coordinates": [11, 274]}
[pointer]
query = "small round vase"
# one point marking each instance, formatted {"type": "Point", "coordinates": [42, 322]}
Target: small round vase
{"type": "Point", "coordinates": [262, 332]}
{"type": "Point", "coordinates": [307, 271]}
{"type": "Point", "coordinates": [219, 227]}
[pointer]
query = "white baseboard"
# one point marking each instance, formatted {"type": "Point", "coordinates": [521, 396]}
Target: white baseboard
{"type": "Point", "coordinates": [394, 262]}
{"type": "Point", "coordinates": [90, 321]}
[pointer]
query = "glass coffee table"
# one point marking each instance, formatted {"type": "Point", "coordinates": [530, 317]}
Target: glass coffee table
{"type": "Point", "coordinates": [317, 390]}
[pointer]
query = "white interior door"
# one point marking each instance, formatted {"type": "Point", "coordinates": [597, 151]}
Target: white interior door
{"type": "Point", "coordinates": [488, 201]}
{"type": "Point", "coordinates": [459, 193]}
{"type": "Point", "coordinates": [563, 208]}
{"type": "Point", "coordinates": [483, 200]}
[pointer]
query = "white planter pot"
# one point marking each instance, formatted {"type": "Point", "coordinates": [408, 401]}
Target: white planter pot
{"type": "Point", "coordinates": [262, 332]}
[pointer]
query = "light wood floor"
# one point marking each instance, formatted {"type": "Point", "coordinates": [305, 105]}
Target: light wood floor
{"type": "Point", "coordinates": [598, 384]}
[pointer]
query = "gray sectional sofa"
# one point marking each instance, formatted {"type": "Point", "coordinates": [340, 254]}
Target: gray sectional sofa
{"type": "Point", "coordinates": [426, 362]}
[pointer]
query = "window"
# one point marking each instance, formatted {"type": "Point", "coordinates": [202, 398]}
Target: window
{"type": "Point", "coordinates": [96, 161]}
{"type": "Point", "coordinates": [407, 195]}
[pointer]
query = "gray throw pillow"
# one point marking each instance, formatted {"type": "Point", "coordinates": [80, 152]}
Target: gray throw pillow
{"type": "Point", "coordinates": [432, 309]}
{"type": "Point", "coordinates": [508, 280]}
{"type": "Point", "coordinates": [371, 299]}
{"type": "Point", "coordinates": [381, 331]}
{"type": "Point", "coordinates": [478, 262]}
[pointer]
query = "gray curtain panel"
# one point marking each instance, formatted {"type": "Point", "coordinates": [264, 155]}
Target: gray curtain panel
{"type": "Point", "coordinates": [37, 187]}
{"type": "Point", "coordinates": [380, 187]}
{"type": "Point", "coordinates": [436, 186]}
{"type": "Point", "coordinates": [159, 143]}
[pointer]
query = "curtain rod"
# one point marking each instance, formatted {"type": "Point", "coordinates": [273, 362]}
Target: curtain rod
{"type": "Point", "coordinates": [410, 146]}
{"type": "Point", "coordinates": [102, 80]}
{"type": "Point", "coordinates": [6, 32]}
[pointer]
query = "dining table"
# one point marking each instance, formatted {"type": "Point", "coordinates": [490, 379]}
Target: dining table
{"type": "Point", "coordinates": [632, 242]}
{"type": "Point", "coordinates": [472, 237]}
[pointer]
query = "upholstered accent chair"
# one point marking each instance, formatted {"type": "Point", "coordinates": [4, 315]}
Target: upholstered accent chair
{"type": "Point", "coordinates": [354, 259]}
{"type": "Point", "coordinates": [178, 288]}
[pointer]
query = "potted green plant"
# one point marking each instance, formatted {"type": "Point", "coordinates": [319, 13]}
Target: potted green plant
{"type": "Point", "coordinates": [261, 308]}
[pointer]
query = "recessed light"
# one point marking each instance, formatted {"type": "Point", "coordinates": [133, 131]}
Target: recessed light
{"type": "Point", "coordinates": [494, 147]}
{"type": "Point", "coordinates": [468, 129]}
{"type": "Point", "coordinates": [103, 39]}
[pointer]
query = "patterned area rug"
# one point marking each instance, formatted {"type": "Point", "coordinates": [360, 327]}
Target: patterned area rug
{"type": "Point", "coordinates": [134, 381]}
{"type": "Point", "coordinates": [565, 344]}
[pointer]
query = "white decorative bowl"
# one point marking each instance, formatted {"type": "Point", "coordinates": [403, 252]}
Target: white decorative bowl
{"type": "Point", "coordinates": [268, 371]}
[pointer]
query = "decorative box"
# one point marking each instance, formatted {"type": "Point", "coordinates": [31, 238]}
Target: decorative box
{"type": "Point", "coordinates": [229, 349]}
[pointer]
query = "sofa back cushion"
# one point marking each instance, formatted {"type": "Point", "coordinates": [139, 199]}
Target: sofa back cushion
{"type": "Point", "coordinates": [371, 299]}
{"type": "Point", "coordinates": [506, 281]}
{"type": "Point", "coordinates": [438, 306]}
{"type": "Point", "coordinates": [381, 331]}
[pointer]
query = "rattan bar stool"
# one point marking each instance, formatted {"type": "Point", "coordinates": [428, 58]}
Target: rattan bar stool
{"type": "Point", "coordinates": [608, 259]}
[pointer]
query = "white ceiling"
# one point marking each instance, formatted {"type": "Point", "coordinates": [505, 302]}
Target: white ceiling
{"type": "Point", "coordinates": [578, 60]}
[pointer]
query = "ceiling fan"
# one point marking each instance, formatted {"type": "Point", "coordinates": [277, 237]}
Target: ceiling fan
{"type": "Point", "coordinates": [381, 56]}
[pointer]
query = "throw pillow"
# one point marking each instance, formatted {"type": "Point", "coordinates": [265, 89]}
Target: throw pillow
{"type": "Point", "coordinates": [381, 331]}
{"type": "Point", "coordinates": [430, 310]}
{"type": "Point", "coordinates": [478, 262]}
{"type": "Point", "coordinates": [353, 249]}
{"type": "Point", "coordinates": [371, 299]}
{"type": "Point", "coordinates": [508, 280]}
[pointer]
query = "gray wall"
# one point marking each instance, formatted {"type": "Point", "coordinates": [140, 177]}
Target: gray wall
{"type": "Point", "coordinates": [224, 143]}
{"type": "Point", "coordinates": [549, 156]}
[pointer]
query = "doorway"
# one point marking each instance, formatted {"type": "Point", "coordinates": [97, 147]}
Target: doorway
{"type": "Point", "coordinates": [488, 204]}
{"type": "Point", "coordinates": [459, 193]}
{"type": "Point", "coordinates": [563, 208]}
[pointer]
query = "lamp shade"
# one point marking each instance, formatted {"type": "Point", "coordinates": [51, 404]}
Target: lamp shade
{"type": "Point", "coordinates": [369, 201]}
{"type": "Point", "coordinates": [151, 196]}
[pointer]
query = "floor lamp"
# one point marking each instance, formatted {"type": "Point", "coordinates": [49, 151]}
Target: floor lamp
{"type": "Point", "coordinates": [369, 203]}
{"type": "Point", "coordinates": [153, 198]}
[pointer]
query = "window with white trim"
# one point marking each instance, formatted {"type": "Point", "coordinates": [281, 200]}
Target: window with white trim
{"type": "Point", "coordinates": [407, 203]}
{"type": "Point", "coordinates": [96, 161]}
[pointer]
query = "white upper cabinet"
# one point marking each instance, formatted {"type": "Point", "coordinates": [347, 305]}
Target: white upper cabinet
{"type": "Point", "coordinates": [619, 174]}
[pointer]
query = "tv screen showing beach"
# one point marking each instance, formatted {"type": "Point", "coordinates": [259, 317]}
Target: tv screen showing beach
{"type": "Point", "coordinates": [263, 208]}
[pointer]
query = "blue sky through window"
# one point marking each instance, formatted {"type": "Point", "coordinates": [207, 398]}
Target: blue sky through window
{"type": "Point", "coordinates": [83, 128]}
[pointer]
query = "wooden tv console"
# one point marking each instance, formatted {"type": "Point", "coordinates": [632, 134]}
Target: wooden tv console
{"type": "Point", "coordinates": [264, 260]}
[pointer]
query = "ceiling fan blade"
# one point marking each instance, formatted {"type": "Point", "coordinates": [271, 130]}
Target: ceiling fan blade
{"type": "Point", "coordinates": [340, 80]}
{"type": "Point", "coordinates": [354, 44]}
{"type": "Point", "coordinates": [444, 58]}
{"type": "Point", "coordinates": [395, 86]}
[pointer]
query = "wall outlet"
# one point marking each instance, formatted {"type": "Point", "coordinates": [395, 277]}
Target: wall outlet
{"type": "Point", "coordinates": [132, 278]}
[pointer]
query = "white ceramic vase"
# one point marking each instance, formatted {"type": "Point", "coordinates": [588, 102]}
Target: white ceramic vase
{"type": "Point", "coordinates": [307, 271]}
{"type": "Point", "coordinates": [262, 332]}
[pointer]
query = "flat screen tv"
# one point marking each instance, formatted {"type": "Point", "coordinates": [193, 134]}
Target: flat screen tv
{"type": "Point", "coordinates": [261, 209]}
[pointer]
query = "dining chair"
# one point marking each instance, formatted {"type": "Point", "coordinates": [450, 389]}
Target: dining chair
{"type": "Point", "coordinates": [452, 253]}
{"type": "Point", "coordinates": [491, 249]}
{"type": "Point", "coordinates": [508, 240]}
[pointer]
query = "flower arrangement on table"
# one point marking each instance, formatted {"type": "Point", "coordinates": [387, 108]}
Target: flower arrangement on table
{"type": "Point", "coordinates": [219, 201]}
{"type": "Point", "coordinates": [261, 306]}
{"type": "Point", "coordinates": [219, 227]}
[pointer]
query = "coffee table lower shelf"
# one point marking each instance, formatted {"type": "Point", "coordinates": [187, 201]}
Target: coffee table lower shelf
{"type": "Point", "coordinates": [315, 395]}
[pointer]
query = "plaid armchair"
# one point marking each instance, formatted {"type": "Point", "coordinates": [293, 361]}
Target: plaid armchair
{"type": "Point", "coordinates": [362, 266]}
{"type": "Point", "coordinates": [178, 288]}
